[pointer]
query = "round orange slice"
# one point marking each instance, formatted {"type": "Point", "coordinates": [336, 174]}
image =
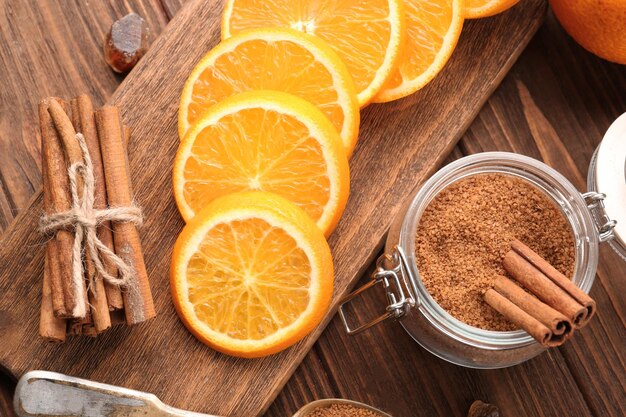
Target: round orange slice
{"type": "Point", "coordinates": [484, 8]}
{"type": "Point", "coordinates": [433, 29]}
{"type": "Point", "coordinates": [251, 274]}
{"type": "Point", "coordinates": [264, 141]}
{"type": "Point", "coordinates": [274, 59]}
{"type": "Point", "coordinates": [366, 34]}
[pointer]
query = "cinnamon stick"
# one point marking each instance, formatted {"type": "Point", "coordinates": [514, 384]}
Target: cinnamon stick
{"type": "Point", "coordinates": [558, 324]}
{"type": "Point", "coordinates": [73, 154]}
{"type": "Point", "coordinates": [87, 122]}
{"type": "Point", "coordinates": [67, 133]}
{"type": "Point", "coordinates": [117, 302]}
{"type": "Point", "coordinates": [62, 291]}
{"type": "Point", "coordinates": [51, 151]}
{"type": "Point", "coordinates": [89, 329]}
{"type": "Point", "coordinates": [75, 327]}
{"type": "Point", "coordinates": [51, 328]}
{"type": "Point", "coordinates": [137, 297]}
{"type": "Point", "coordinates": [508, 309]}
{"type": "Point", "coordinates": [118, 317]}
{"type": "Point", "coordinates": [542, 287]}
{"type": "Point", "coordinates": [558, 278]}
{"type": "Point", "coordinates": [81, 326]}
{"type": "Point", "coordinates": [84, 122]}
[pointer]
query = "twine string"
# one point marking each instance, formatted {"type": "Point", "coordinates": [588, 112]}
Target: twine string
{"type": "Point", "coordinates": [85, 219]}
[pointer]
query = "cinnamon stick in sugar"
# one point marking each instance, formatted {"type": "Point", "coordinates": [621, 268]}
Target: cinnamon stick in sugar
{"type": "Point", "coordinates": [559, 279]}
{"type": "Point", "coordinates": [544, 288]}
{"type": "Point", "coordinates": [138, 302]}
{"type": "Point", "coordinates": [559, 325]}
{"type": "Point", "coordinates": [84, 123]}
{"type": "Point", "coordinates": [515, 314]}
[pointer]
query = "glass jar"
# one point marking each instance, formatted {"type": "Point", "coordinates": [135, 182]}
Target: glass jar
{"type": "Point", "coordinates": [429, 324]}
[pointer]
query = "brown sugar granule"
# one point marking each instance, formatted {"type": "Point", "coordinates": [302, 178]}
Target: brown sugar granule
{"type": "Point", "coordinates": [466, 230]}
{"type": "Point", "coordinates": [342, 410]}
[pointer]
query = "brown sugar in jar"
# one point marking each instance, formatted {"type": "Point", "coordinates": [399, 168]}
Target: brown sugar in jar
{"type": "Point", "coordinates": [466, 230]}
{"type": "Point", "coordinates": [516, 198]}
{"type": "Point", "coordinates": [438, 259]}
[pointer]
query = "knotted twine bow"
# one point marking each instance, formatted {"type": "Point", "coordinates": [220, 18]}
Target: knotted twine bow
{"type": "Point", "coordinates": [85, 219]}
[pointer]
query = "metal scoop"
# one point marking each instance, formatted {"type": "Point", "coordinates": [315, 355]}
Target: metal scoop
{"type": "Point", "coordinates": [42, 393]}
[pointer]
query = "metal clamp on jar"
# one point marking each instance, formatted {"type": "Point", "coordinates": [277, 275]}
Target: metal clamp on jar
{"type": "Point", "coordinates": [594, 217]}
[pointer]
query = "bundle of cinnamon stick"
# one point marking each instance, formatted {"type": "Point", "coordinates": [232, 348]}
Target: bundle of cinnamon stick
{"type": "Point", "coordinates": [552, 308]}
{"type": "Point", "coordinates": [75, 298]}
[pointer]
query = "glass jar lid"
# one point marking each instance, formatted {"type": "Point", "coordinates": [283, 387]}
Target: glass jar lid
{"type": "Point", "coordinates": [607, 180]}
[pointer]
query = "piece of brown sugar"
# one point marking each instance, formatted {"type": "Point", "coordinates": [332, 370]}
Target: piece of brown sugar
{"type": "Point", "coordinates": [466, 230]}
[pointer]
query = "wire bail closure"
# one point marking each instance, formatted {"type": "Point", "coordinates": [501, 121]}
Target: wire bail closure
{"type": "Point", "coordinates": [394, 281]}
{"type": "Point", "coordinates": [595, 204]}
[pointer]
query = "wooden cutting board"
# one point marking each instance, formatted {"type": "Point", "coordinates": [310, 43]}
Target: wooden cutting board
{"type": "Point", "coordinates": [400, 145]}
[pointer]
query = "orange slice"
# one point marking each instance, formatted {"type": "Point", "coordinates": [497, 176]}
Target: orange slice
{"type": "Point", "coordinates": [485, 8]}
{"type": "Point", "coordinates": [274, 59]}
{"type": "Point", "coordinates": [433, 29]}
{"type": "Point", "coordinates": [251, 274]}
{"type": "Point", "coordinates": [366, 34]}
{"type": "Point", "coordinates": [265, 141]}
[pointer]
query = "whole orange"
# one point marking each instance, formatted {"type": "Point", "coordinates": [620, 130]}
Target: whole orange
{"type": "Point", "coordinates": [597, 25]}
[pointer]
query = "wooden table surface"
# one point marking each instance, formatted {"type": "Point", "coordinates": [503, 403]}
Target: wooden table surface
{"type": "Point", "coordinates": [555, 105]}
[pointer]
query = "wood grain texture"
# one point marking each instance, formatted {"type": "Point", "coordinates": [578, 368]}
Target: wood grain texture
{"type": "Point", "coordinates": [401, 143]}
{"type": "Point", "coordinates": [50, 48]}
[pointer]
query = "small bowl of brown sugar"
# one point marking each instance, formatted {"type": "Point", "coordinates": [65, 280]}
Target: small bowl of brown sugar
{"type": "Point", "coordinates": [446, 249]}
{"type": "Point", "coordinates": [336, 407]}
